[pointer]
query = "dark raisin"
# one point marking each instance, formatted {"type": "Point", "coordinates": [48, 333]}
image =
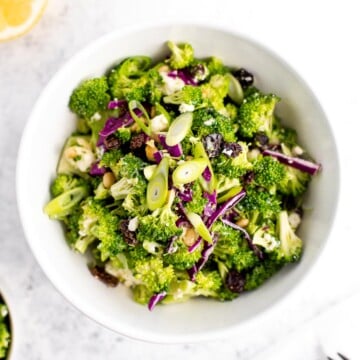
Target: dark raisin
{"type": "Point", "coordinates": [129, 236]}
{"type": "Point", "coordinates": [112, 142]}
{"type": "Point", "coordinates": [103, 276]}
{"type": "Point", "coordinates": [235, 281]}
{"type": "Point", "coordinates": [232, 149]}
{"type": "Point", "coordinates": [261, 139]}
{"type": "Point", "coordinates": [213, 144]}
{"type": "Point", "coordinates": [249, 177]}
{"type": "Point", "coordinates": [138, 141]}
{"type": "Point", "coordinates": [245, 78]}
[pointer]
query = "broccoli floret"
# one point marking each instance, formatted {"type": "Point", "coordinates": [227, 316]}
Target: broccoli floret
{"type": "Point", "coordinates": [233, 167]}
{"type": "Point", "coordinates": [4, 332]}
{"type": "Point", "coordinates": [101, 192]}
{"type": "Point", "coordinates": [260, 273]}
{"type": "Point", "coordinates": [231, 111]}
{"type": "Point", "coordinates": [256, 199]}
{"type": "Point", "coordinates": [181, 258]}
{"type": "Point", "coordinates": [207, 283]}
{"type": "Point", "coordinates": [127, 80]}
{"type": "Point", "coordinates": [207, 121]}
{"type": "Point", "coordinates": [110, 160]}
{"type": "Point", "coordinates": [90, 97]}
{"type": "Point", "coordinates": [282, 135]}
{"type": "Point", "coordinates": [295, 182]}
{"type": "Point", "coordinates": [215, 92]}
{"type": "Point", "coordinates": [97, 222]}
{"type": "Point", "coordinates": [130, 166]}
{"type": "Point", "coordinates": [72, 226]}
{"type": "Point", "coordinates": [190, 95]}
{"type": "Point", "coordinates": [232, 249]}
{"type": "Point", "coordinates": [198, 202]}
{"type": "Point", "coordinates": [256, 114]}
{"type": "Point", "coordinates": [291, 245]}
{"type": "Point", "coordinates": [182, 55]}
{"type": "Point", "coordinates": [268, 172]}
{"type": "Point", "coordinates": [216, 66]}
{"type": "Point", "coordinates": [153, 274]}
{"type": "Point", "coordinates": [63, 205]}
{"type": "Point", "coordinates": [159, 226]}
{"type": "Point", "coordinates": [124, 134]}
{"type": "Point", "coordinates": [65, 182]}
{"type": "Point", "coordinates": [266, 238]}
{"type": "Point", "coordinates": [224, 183]}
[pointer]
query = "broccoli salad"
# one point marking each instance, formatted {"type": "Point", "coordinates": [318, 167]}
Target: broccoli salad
{"type": "Point", "coordinates": [180, 180]}
{"type": "Point", "coordinates": [4, 330]}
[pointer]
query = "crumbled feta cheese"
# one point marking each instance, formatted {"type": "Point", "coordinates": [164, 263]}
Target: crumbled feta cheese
{"type": "Point", "coordinates": [294, 220]}
{"type": "Point", "coordinates": [297, 150]}
{"type": "Point", "coordinates": [159, 123]}
{"type": "Point", "coordinates": [133, 224]}
{"type": "Point", "coordinates": [171, 85]}
{"type": "Point", "coordinates": [80, 158]}
{"type": "Point", "coordinates": [186, 108]}
{"type": "Point", "coordinates": [209, 122]}
{"type": "Point", "coordinates": [227, 152]}
{"type": "Point", "coordinates": [96, 117]}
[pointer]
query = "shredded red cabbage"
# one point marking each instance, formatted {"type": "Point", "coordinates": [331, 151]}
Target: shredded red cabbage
{"type": "Point", "coordinates": [224, 207]}
{"type": "Point", "coordinates": [184, 75]}
{"type": "Point", "coordinates": [186, 195]}
{"type": "Point", "coordinates": [207, 174]}
{"type": "Point", "coordinates": [175, 151]}
{"type": "Point", "coordinates": [96, 170]}
{"type": "Point", "coordinates": [210, 206]}
{"type": "Point", "coordinates": [252, 246]}
{"type": "Point", "coordinates": [112, 124]}
{"type": "Point", "coordinates": [297, 163]}
{"type": "Point", "coordinates": [158, 155]}
{"type": "Point", "coordinates": [205, 254]}
{"type": "Point", "coordinates": [155, 299]}
{"type": "Point", "coordinates": [114, 104]}
{"type": "Point", "coordinates": [170, 247]}
{"type": "Point", "coordinates": [182, 222]}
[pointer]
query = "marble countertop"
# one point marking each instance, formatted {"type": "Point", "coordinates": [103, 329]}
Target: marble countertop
{"type": "Point", "coordinates": [320, 41]}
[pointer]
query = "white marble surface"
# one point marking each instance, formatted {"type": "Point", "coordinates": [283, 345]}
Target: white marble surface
{"type": "Point", "coordinates": [320, 40]}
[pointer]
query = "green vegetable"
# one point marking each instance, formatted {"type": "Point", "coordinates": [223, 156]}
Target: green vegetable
{"type": "Point", "coordinates": [152, 225]}
{"type": "Point", "coordinates": [5, 337]}
{"type": "Point", "coordinates": [182, 55]}
{"type": "Point", "coordinates": [257, 113]}
{"type": "Point", "coordinates": [90, 97]}
{"type": "Point", "coordinates": [179, 128]}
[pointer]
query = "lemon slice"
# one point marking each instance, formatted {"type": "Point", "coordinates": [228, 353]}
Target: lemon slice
{"type": "Point", "coordinates": [17, 17]}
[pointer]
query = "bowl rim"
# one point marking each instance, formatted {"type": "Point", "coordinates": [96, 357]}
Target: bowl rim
{"type": "Point", "coordinates": [122, 33]}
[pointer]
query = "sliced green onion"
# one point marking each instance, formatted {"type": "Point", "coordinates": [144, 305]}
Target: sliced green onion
{"type": "Point", "coordinates": [189, 171]}
{"type": "Point", "coordinates": [231, 193]}
{"type": "Point", "coordinates": [235, 93]}
{"type": "Point", "coordinates": [200, 153]}
{"type": "Point", "coordinates": [63, 204]}
{"type": "Point", "coordinates": [149, 171]}
{"type": "Point", "coordinates": [199, 226]}
{"type": "Point", "coordinates": [179, 128]}
{"type": "Point", "coordinates": [133, 104]}
{"type": "Point", "coordinates": [157, 189]}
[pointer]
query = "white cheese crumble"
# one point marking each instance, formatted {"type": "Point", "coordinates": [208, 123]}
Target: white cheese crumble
{"type": "Point", "coordinates": [186, 108]}
{"type": "Point", "coordinates": [171, 85]}
{"type": "Point", "coordinates": [159, 123]}
{"type": "Point", "coordinates": [133, 224]}
{"type": "Point", "coordinates": [209, 122]}
{"type": "Point", "coordinates": [294, 220]}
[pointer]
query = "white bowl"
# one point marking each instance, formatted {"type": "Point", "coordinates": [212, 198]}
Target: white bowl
{"type": "Point", "coordinates": [51, 122]}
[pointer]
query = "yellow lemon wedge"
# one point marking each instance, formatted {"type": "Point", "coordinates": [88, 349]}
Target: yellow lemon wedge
{"type": "Point", "coordinates": [17, 17]}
